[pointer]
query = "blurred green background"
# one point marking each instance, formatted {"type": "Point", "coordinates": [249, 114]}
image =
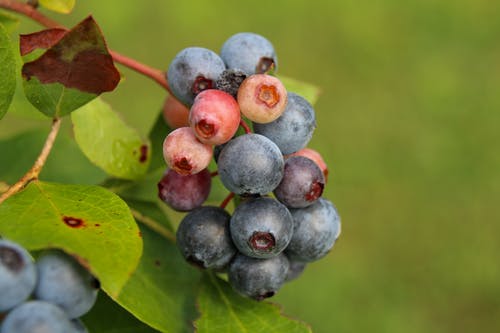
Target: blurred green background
{"type": "Point", "coordinates": [408, 122]}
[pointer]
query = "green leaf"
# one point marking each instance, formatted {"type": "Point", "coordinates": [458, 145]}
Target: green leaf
{"type": "Point", "coordinates": [59, 6]}
{"type": "Point", "coordinates": [75, 68]}
{"type": "Point", "coordinates": [161, 292]}
{"type": "Point", "coordinates": [54, 99]}
{"type": "Point", "coordinates": [65, 164]}
{"type": "Point", "coordinates": [223, 310]}
{"type": "Point", "coordinates": [7, 71]}
{"type": "Point", "coordinates": [87, 221]}
{"type": "Point", "coordinates": [146, 189]}
{"type": "Point", "coordinates": [108, 317]}
{"type": "Point", "coordinates": [10, 22]}
{"type": "Point", "coordinates": [309, 91]}
{"type": "Point", "coordinates": [157, 135]}
{"type": "Point", "coordinates": [108, 142]}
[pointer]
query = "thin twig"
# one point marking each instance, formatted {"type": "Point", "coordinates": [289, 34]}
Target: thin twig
{"type": "Point", "coordinates": [153, 225]}
{"type": "Point", "coordinates": [29, 11]}
{"type": "Point", "coordinates": [245, 126]}
{"type": "Point", "coordinates": [35, 170]}
{"type": "Point", "coordinates": [228, 199]}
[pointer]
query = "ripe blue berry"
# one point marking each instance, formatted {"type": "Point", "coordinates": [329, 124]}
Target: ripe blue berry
{"type": "Point", "coordinates": [250, 164]}
{"type": "Point", "coordinates": [17, 275]}
{"type": "Point", "coordinates": [203, 238]}
{"type": "Point", "coordinates": [79, 326]}
{"type": "Point", "coordinates": [250, 53]}
{"type": "Point", "coordinates": [261, 227]}
{"type": "Point", "coordinates": [193, 70]}
{"type": "Point", "coordinates": [64, 282]}
{"type": "Point", "coordinates": [295, 270]}
{"type": "Point", "coordinates": [302, 183]}
{"type": "Point", "coordinates": [258, 278]}
{"type": "Point", "coordinates": [315, 230]}
{"type": "Point", "coordinates": [294, 128]}
{"type": "Point", "coordinates": [37, 316]}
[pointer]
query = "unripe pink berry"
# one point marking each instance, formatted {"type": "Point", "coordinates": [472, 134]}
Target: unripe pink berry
{"type": "Point", "coordinates": [214, 117]}
{"type": "Point", "coordinates": [184, 153]}
{"type": "Point", "coordinates": [262, 98]}
{"type": "Point", "coordinates": [175, 113]}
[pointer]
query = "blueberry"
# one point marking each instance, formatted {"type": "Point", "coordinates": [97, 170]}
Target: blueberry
{"type": "Point", "coordinates": [293, 130]}
{"type": "Point", "coordinates": [250, 164]}
{"type": "Point", "coordinates": [261, 227]}
{"type": "Point", "coordinates": [17, 275]}
{"type": "Point", "coordinates": [295, 269]}
{"type": "Point", "coordinates": [315, 230]}
{"type": "Point", "coordinates": [203, 237]}
{"type": "Point", "coordinates": [193, 70]}
{"type": "Point", "coordinates": [250, 53]}
{"type": "Point", "coordinates": [257, 278]}
{"type": "Point", "coordinates": [302, 183]}
{"type": "Point", "coordinates": [63, 281]}
{"type": "Point", "coordinates": [79, 326]}
{"type": "Point", "coordinates": [37, 316]}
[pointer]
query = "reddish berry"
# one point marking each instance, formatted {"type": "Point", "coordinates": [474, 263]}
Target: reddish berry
{"type": "Point", "coordinates": [184, 153]}
{"type": "Point", "coordinates": [262, 98]}
{"type": "Point", "coordinates": [214, 117]}
{"type": "Point", "coordinates": [175, 113]}
{"type": "Point", "coordinates": [184, 192]}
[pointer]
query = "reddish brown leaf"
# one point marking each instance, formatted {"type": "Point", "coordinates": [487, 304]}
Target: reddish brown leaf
{"type": "Point", "coordinates": [80, 60]}
{"type": "Point", "coordinates": [40, 40]}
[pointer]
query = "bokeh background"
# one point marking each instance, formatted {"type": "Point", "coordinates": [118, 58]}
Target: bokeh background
{"type": "Point", "coordinates": [408, 122]}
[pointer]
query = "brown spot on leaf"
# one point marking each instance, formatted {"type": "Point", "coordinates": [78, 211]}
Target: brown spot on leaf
{"type": "Point", "coordinates": [73, 222]}
{"type": "Point", "coordinates": [97, 225]}
{"type": "Point", "coordinates": [157, 263]}
{"type": "Point", "coordinates": [44, 39]}
{"type": "Point", "coordinates": [143, 157]}
{"type": "Point", "coordinates": [79, 60]}
{"type": "Point", "coordinates": [140, 234]}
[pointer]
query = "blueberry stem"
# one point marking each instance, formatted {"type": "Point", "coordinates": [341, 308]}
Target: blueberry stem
{"type": "Point", "coordinates": [224, 203]}
{"type": "Point", "coordinates": [245, 126]}
{"type": "Point", "coordinates": [153, 225]}
{"type": "Point", "coordinates": [214, 173]}
{"type": "Point", "coordinates": [35, 170]}
{"type": "Point", "coordinates": [31, 12]}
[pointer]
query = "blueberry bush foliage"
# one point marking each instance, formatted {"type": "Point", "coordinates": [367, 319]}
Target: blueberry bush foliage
{"type": "Point", "coordinates": [117, 228]}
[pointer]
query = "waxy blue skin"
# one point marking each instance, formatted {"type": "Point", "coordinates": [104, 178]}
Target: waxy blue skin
{"type": "Point", "coordinates": [265, 217]}
{"type": "Point", "coordinates": [17, 275]}
{"type": "Point", "coordinates": [293, 130]}
{"type": "Point", "coordinates": [244, 51]}
{"type": "Point", "coordinates": [258, 278]}
{"type": "Point", "coordinates": [295, 269]}
{"type": "Point", "coordinates": [316, 228]}
{"type": "Point", "coordinates": [250, 164]}
{"type": "Point", "coordinates": [187, 66]}
{"type": "Point", "coordinates": [37, 316]}
{"type": "Point", "coordinates": [203, 238]}
{"type": "Point", "coordinates": [63, 281]}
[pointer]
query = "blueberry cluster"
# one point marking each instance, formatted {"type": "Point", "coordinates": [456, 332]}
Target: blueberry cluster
{"type": "Point", "coordinates": [48, 295]}
{"type": "Point", "coordinates": [281, 221]}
